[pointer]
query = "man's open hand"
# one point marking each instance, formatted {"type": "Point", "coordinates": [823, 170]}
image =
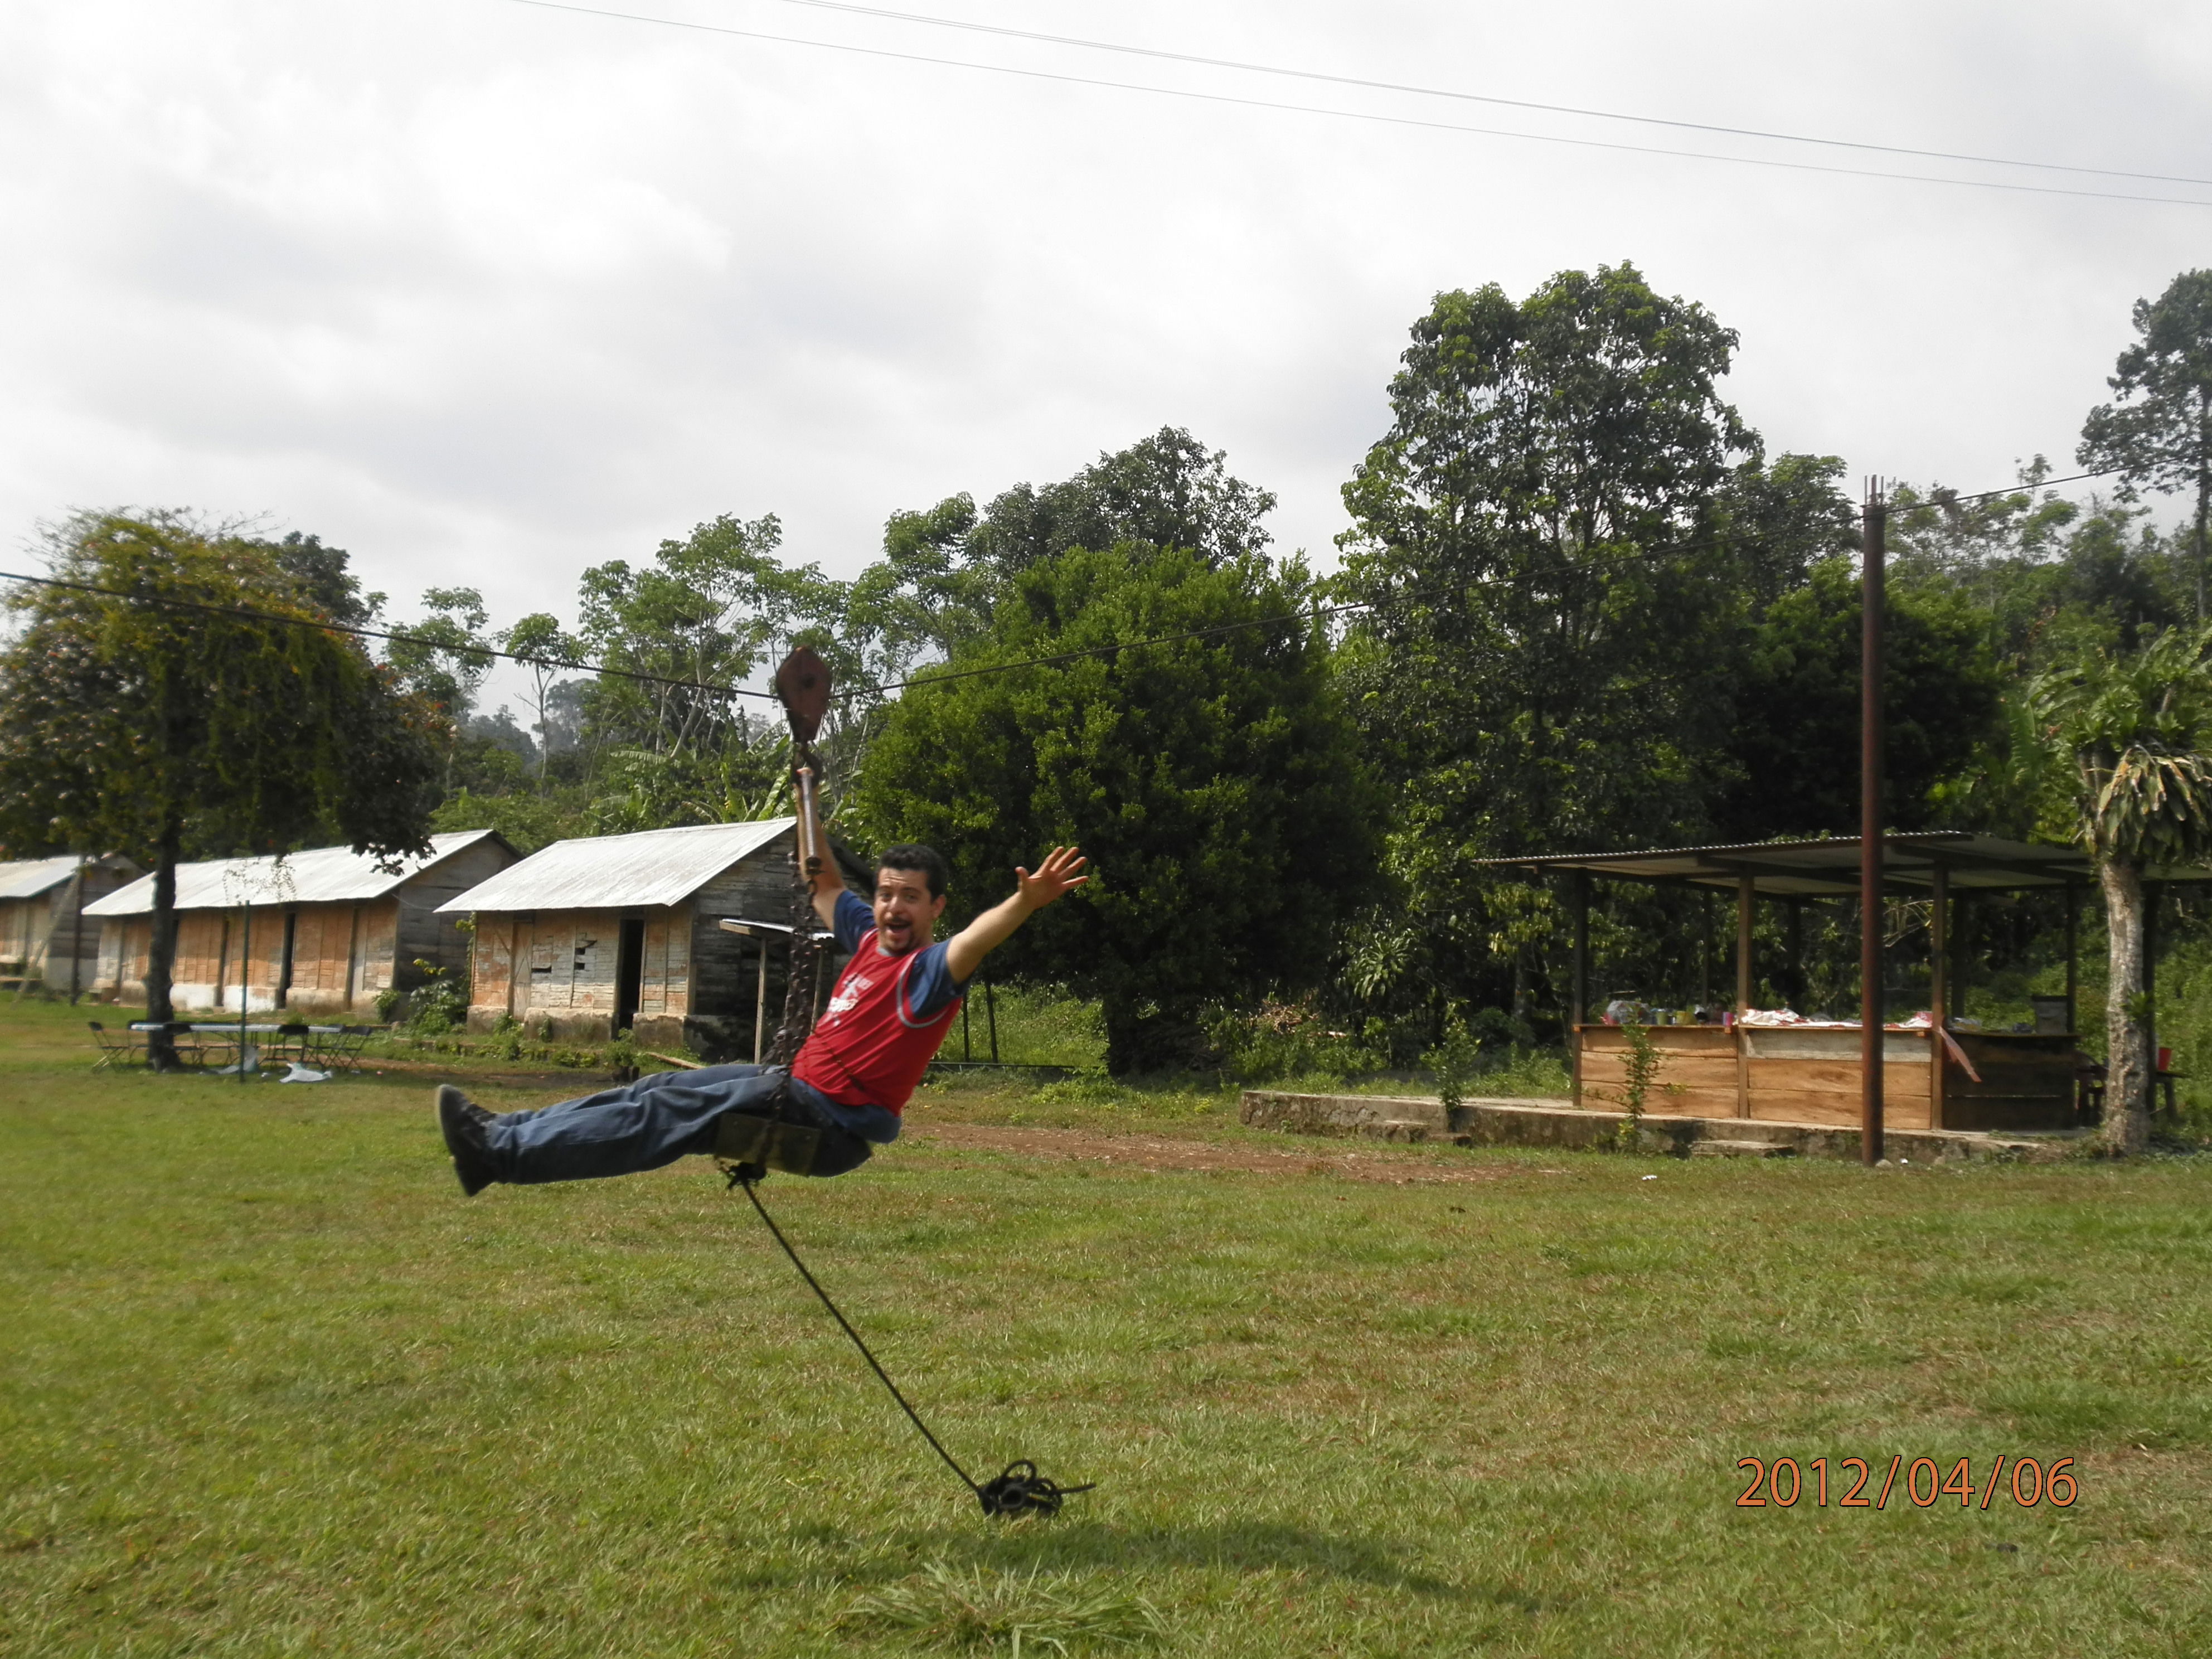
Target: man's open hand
{"type": "Point", "coordinates": [1053, 878]}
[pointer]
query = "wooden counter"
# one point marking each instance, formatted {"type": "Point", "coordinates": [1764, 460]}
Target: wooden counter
{"type": "Point", "coordinates": [1811, 1074]}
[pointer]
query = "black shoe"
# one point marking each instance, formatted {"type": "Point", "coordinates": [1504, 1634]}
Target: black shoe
{"type": "Point", "coordinates": [462, 1121]}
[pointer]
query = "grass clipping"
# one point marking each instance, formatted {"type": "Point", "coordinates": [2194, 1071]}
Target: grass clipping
{"type": "Point", "coordinates": [1031, 1612]}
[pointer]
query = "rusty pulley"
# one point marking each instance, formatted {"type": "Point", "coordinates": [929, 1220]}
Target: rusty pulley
{"type": "Point", "coordinates": [802, 685]}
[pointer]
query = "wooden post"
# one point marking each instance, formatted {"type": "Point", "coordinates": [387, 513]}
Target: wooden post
{"type": "Point", "coordinates": [1939, 1008]}
{"type": "Point", "coordinates": [1796, 966]}
{"type": "Point", "coordinates": [2073, 957]}
{"type": "Point", "coordinates": [967, 1048]}
{"type": "Point", "coordinates": [1962, 937]}
{"type": "Point", "coordinates": [1704, 948]}
{"type": "Point", "coordinates": [1745, 891]}
{"type": "Point", "coordinates": [1578, 990]}
{"type": "Point", "coordinates": [760, 1006]}
{"type": "Point", "coordinates": [1872, 573]}
{"type": "Point", "coordinates": [990, 1013]}
{"type": "Point", "coordinates": [245, 984]}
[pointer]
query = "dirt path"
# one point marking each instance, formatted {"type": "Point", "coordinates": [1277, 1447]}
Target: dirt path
{"type": "Point", "coordinates": [1161, 1152]}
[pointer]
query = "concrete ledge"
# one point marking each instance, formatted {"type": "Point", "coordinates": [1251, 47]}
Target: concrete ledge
{"type": "Point", "coordinates": [1491, 1122]}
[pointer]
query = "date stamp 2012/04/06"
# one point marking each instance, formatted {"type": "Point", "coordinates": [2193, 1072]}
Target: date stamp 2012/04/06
{"type": "Point", "coordinates": [2024, 1480]}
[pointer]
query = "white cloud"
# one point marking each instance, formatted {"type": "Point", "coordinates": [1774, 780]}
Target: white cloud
{"type": "Point", "coordinates": [488, 293]}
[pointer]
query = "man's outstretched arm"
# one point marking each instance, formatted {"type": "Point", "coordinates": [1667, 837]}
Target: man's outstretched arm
{"type": "Point", "coordinates": [965, 950]}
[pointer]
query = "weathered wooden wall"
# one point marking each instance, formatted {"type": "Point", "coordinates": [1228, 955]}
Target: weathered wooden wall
{"type": "Point", "coordinates": [1775, 1075]}
{"type": "Point", "coordinates": [1786, 1075]}
{"type": "Point", "coordinates": [37, 933]}
{"type": "Point", "coordinates": [422, 934]}
{"type": "Point", "coordinates": [555, 971]}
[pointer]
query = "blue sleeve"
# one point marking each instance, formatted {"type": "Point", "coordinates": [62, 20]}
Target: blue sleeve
{"type": "Point", "coordinates": [930, 985]}
{"type": "Point", "coordinates": [856, 920]}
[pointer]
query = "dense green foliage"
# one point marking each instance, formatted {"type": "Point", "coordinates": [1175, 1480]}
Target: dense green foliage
{"type": "Point", "coordinates": [1581, 606]}
{"type": "Point", "coordinates": [164, 724]}
{"type": "Point", "coordinates": [1211, 779]}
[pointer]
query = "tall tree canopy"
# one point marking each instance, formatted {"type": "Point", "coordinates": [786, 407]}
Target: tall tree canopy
{"type": "Point", "coordinates": [160, 725]}
{"type": "Point", "coordinates": [1167, 491]}
{"type": "Point", "coordinates": [1562, 540]}
{"type": "Point", "coordinates": [1213, 782]}
{"type": "Point", "coordinates": [2157, 430]}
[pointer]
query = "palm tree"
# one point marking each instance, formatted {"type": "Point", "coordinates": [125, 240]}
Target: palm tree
{"type": "Point", "coordinates": [2128, 736]}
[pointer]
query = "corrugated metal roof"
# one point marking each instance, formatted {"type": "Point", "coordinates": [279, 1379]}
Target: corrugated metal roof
{"type": "Point", "coordinates": [28, 877]}
{"type": "Point", "coordinates": [610, 872]}
{"type": "Point", "coordinates": [1803, 869]}
{"type": "Point", "coordinates": [322, 875]}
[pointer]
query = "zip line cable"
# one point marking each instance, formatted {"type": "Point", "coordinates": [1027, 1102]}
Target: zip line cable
{"type": "Point", "coordinates": [1017, 1489]}
{"type": "Point", "coordinates": [1357, 115]}
{"type": "Point", "coordinates": [1651, 555]}
{"type": "Point", "coordinates": [1417, 90]}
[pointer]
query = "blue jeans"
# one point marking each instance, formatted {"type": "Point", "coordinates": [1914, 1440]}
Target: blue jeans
{"type": "Point", "coordinates": [659, 1119]}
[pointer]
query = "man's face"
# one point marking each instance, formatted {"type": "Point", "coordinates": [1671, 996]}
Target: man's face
{"type": "Point", "coordinates": [904, 910]}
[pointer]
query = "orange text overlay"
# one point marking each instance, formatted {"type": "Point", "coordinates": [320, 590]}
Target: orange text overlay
{"type": "Point", "coordinates": [1858, 1484]}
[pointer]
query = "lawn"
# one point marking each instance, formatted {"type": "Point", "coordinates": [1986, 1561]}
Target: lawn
{"type": "Point", "coordinates": [269, 1385]}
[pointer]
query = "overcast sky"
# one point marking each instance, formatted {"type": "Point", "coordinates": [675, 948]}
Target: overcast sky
{"type": "Point", "coordinates": [487, 292]}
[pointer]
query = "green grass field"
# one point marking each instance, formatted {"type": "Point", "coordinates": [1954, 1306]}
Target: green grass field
{"type": "Point", "coordinates": [268, 1385]}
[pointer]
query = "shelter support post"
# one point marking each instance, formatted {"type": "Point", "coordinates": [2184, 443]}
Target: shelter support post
{"type": "Point", "coordinates": [1871, 602]}
{"type": "Point", "coordinates": [1705, 949]}
{"type": "Point", "coordinates": [1746, 892]}
{"type": "Point", "coordinates": [1796, 966]}
{"type": "Point", "coordinates": [1578, 976]}
{"type": "Point", "coordinates": [1962, 952]}
{"type": "Point", "coordinates": [1939, 989]}
{"type": "Point", "coordinates": [2073, 957]}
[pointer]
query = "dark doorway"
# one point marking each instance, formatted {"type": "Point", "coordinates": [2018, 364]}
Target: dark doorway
{"type": "Point", "coordinates": [629, 973]}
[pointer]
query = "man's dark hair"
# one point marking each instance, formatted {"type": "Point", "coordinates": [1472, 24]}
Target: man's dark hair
{"type": "Point", "coordinates": [912, 855]}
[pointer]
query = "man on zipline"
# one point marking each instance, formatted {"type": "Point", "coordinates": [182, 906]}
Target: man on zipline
{"type": "Point", "coordinates": [849, 1082]}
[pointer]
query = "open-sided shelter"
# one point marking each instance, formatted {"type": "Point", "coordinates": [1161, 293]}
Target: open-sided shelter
{"type": "Point", "coordinates": [324, 930]}
{"type": "Point", "coordinates": [1934, 1076]}
{"type": "Point", "coordinates": [43, 931]}
{"type": "Point", "coordinates": [586, 938]}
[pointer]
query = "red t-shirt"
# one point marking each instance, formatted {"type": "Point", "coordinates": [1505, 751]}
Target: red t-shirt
{"type": "Point", "coordinates": [884, 1021]}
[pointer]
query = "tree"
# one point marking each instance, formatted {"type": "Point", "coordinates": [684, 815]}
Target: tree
{"type": "Point", "coordinates": [1214, 781]}
{"type": "Point", "coordinates": [443, 658]}
{"type": "Point", "coordinates": [1167, 491]}
{"type": "Point", "coordinates": [707, 613]}
{"type": "Point", "coordinates": [546, 651]}
{"type": "Point", "coordinates": [1562, 543]}
{"type": "Point", "coordinates": [150, 719]}
{"type": "Point", "coordinates": [323, 579]}
{"type": "Point", "coordinates": [2129, 738]}
{"type": "Point", "coordinates": [1799, 690]}
{"type": "Point", "coordinates": [2157, 432]}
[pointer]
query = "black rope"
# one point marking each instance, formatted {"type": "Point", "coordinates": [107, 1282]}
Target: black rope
{"type": "Point", "coordinates": [1017, 1489]}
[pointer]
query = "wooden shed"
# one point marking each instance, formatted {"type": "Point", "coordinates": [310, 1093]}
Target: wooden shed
{"type": "Point", "coordinates": [1936, 1073]}
{"type": "Point", "coordinates": [323, 930]}
{"type": "Point", "coordinates": [42, 933]}
{"type": "Point", "coordinates": [589, 937]}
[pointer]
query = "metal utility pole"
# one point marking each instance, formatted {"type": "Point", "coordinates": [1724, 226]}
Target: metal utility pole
{"type": "Point", "coordinates": [1871, 581]}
